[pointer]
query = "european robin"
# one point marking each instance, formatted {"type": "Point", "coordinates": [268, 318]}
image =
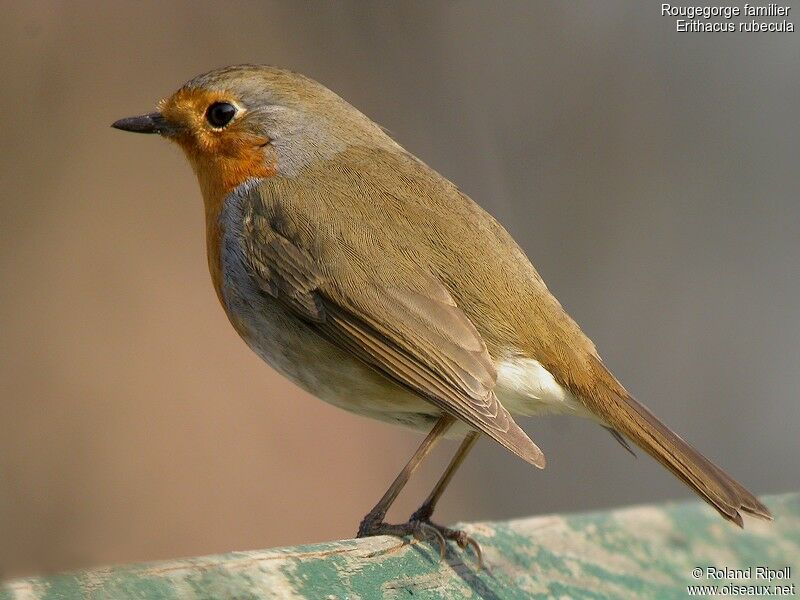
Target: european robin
{"type": "Point", "coordinates": [371, 281]}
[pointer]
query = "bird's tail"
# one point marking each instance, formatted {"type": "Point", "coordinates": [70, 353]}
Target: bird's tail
{"type": "Point", "coordinates": [620, 411]}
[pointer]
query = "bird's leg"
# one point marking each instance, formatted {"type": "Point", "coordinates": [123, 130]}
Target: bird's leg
{"type": "Point", "coordinates": [423, 514]}
{"type": "Point", "coordinates": [373, 523]}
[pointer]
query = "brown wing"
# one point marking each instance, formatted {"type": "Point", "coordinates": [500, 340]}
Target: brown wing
{"type": "Point", "coordinates": [404, 324]}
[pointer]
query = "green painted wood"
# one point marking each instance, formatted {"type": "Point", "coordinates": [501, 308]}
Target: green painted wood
{"type": "Point", "coordinates": [640, 552]}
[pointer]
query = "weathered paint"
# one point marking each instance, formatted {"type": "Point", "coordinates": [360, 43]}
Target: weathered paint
{"type": "Point", "coordinates": [641, 552]}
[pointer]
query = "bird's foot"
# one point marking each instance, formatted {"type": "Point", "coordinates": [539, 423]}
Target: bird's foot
{"type": "Point", "coordinates": [422, 529]}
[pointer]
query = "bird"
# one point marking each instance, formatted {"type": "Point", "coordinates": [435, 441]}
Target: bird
{"type": "Point", "coordinates": [371, 281]}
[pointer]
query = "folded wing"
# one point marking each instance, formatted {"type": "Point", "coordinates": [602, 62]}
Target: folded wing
{"type": "Point", "coordinates": [396, 317]}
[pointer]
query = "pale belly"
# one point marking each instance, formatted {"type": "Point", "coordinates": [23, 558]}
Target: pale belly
{"type": "Point", "coordinates": [330, 374]}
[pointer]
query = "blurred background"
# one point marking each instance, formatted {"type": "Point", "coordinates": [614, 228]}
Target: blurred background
{"type": "Point", "coordinates": [651, 175]}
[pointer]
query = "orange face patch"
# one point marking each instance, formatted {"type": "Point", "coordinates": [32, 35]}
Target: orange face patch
{"type": "Point", "coordinates": [222, 158]}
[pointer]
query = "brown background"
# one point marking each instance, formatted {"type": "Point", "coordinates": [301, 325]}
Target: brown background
{"type": "Point", "coordinates": [651, 175]}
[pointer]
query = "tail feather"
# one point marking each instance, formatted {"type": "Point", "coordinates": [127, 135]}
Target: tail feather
{"type": "Point", "coordinates": [621, 412]}
{"type": "Point", "coordinates": [620, 440]}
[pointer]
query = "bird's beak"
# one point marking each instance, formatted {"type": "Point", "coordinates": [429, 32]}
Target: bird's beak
{"type": "Point", "coordinates": [153, 123]}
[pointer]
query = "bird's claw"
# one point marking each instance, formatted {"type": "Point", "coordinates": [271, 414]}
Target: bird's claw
{"type": "Point", "coordinates": [421, 529]}
{"type": "Point", "coordinates": [464, 540]}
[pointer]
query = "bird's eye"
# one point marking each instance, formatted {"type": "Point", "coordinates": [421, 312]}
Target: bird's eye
{"type": "Point", "coordinates": [220, 114]}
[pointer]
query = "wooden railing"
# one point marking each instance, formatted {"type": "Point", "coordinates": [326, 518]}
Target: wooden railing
{"type": "Point", "coordinates": [641, 552]}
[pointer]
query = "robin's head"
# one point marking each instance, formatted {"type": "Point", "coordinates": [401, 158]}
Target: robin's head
{"type": "Point", "coordinates": [251, 121]}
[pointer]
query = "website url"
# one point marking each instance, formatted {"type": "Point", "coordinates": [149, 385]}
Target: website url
{"type": "Point", "coordinates": [733, 589]}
